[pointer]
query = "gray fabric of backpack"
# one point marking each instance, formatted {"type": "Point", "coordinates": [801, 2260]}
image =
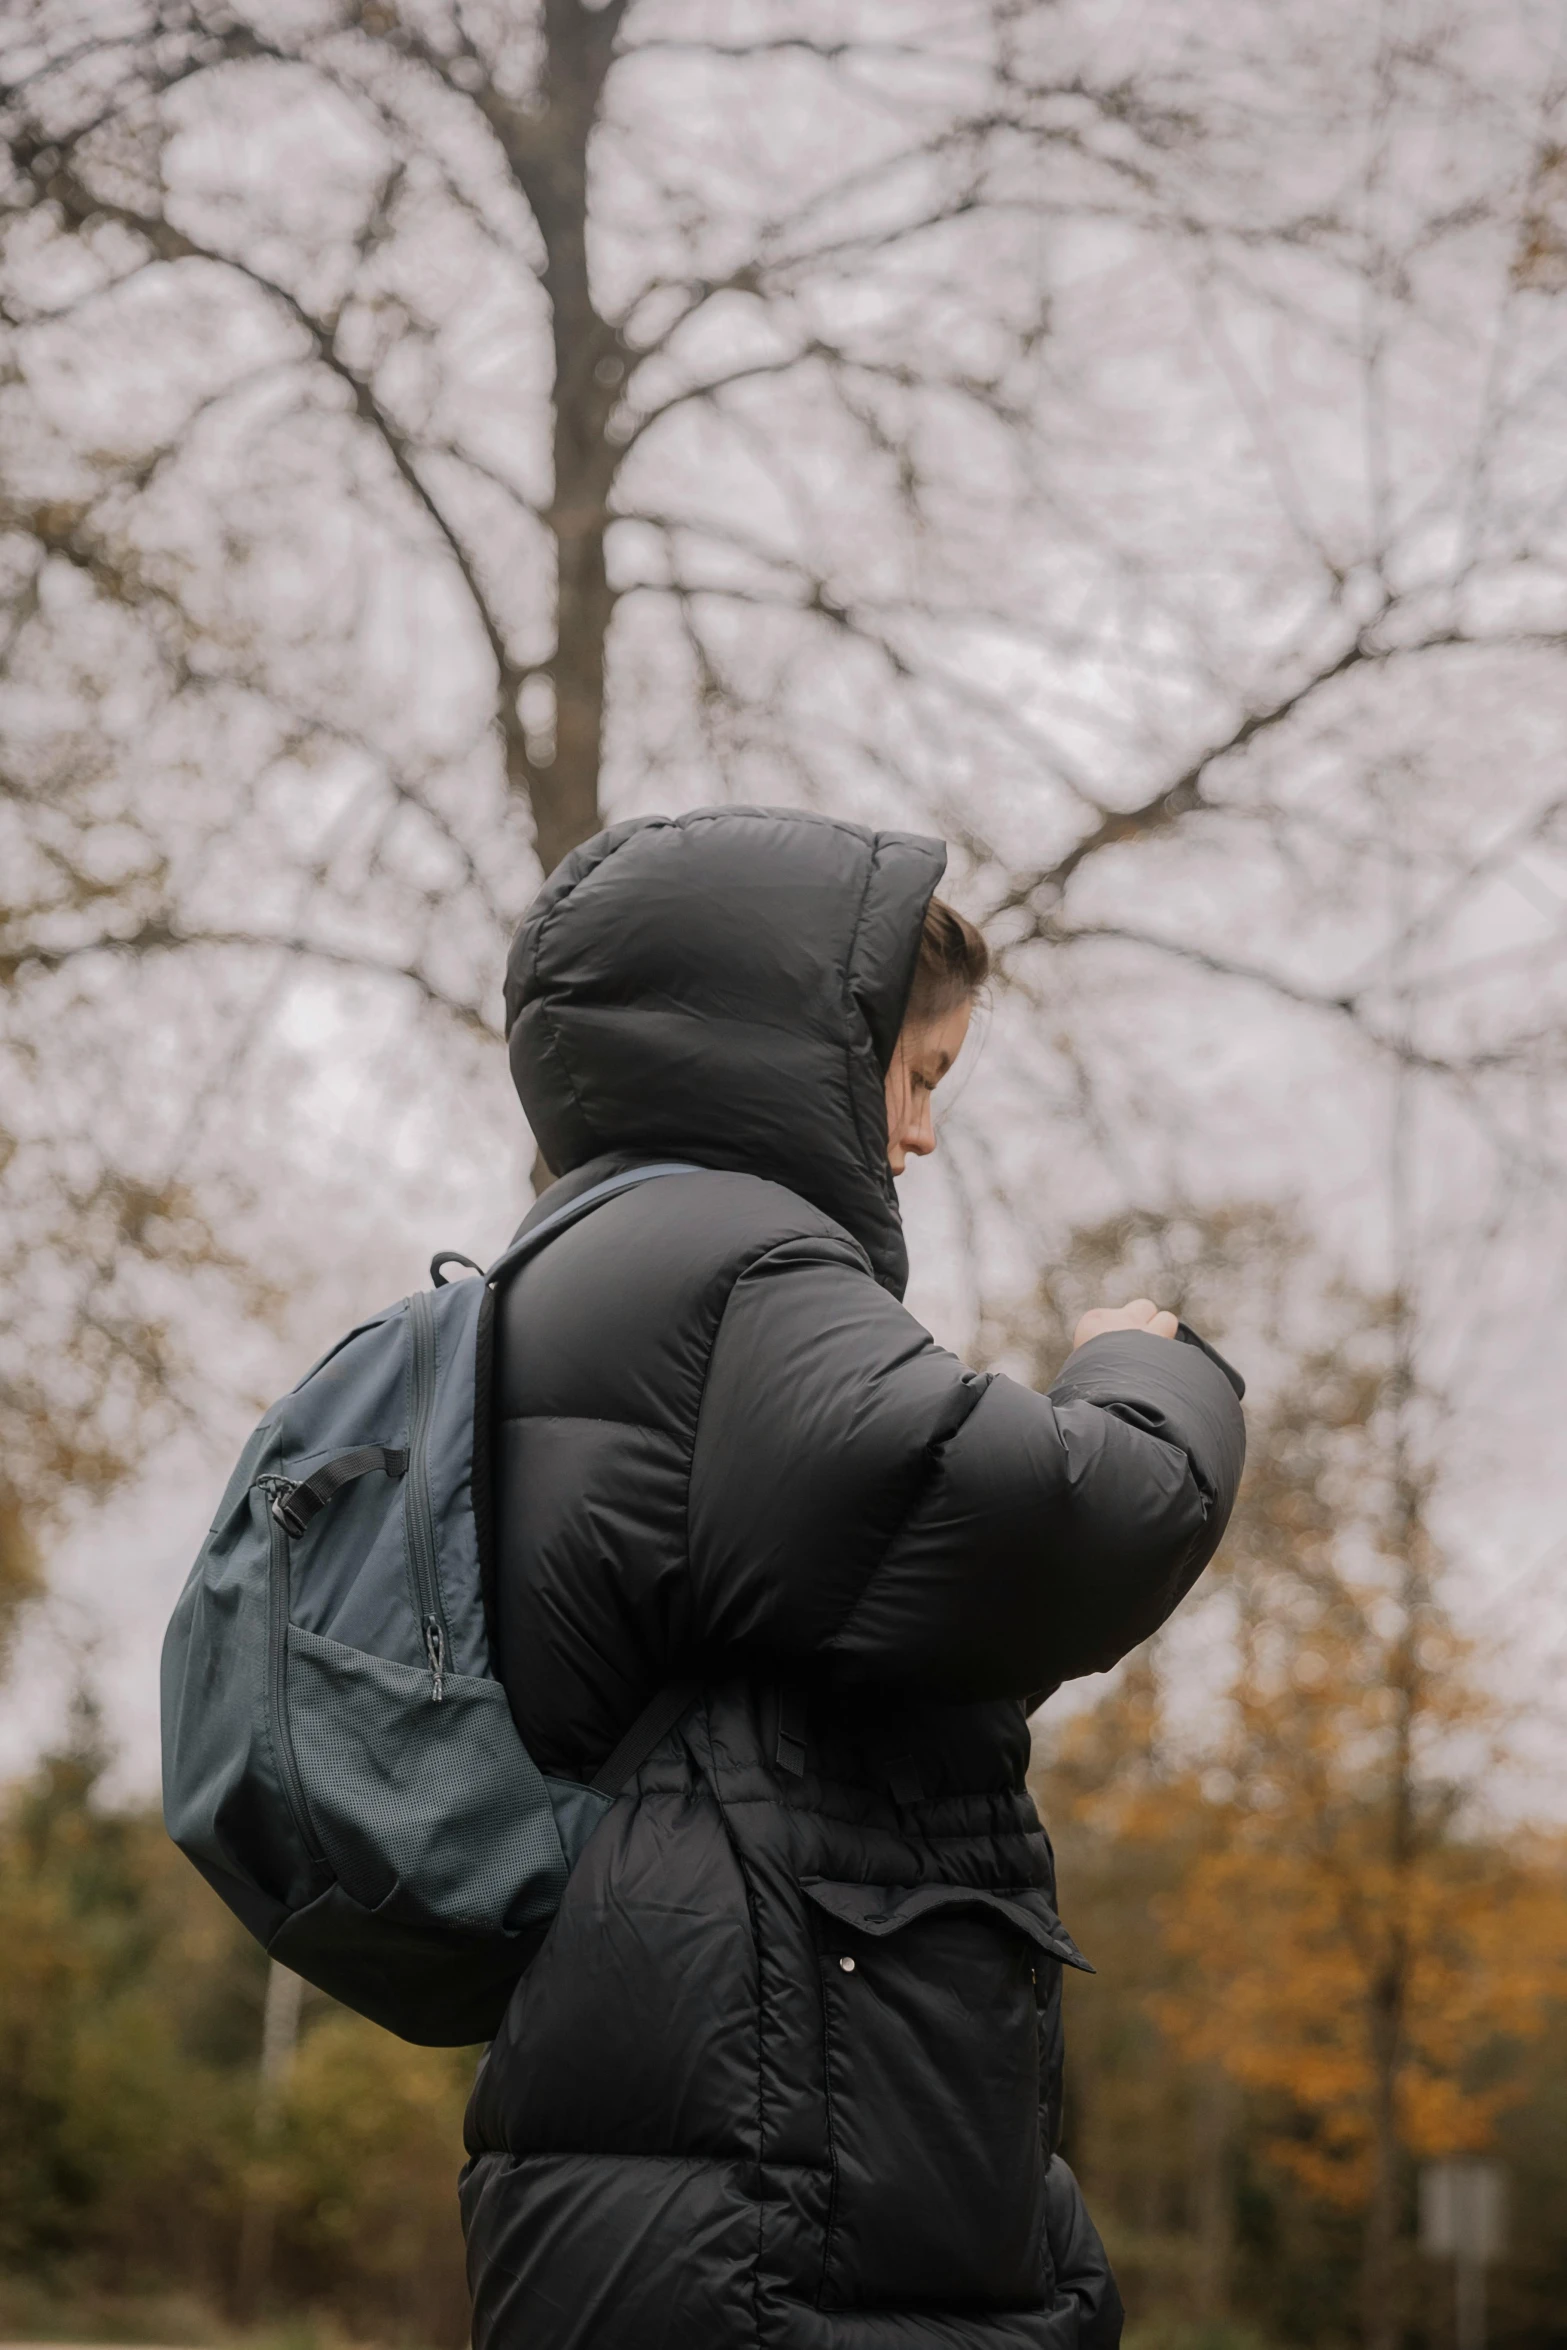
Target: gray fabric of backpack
{"type": "Point", "coordinates": [339, 1760]}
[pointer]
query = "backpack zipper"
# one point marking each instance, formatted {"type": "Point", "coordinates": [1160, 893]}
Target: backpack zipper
{"type": "Point", "coordinates": [416, 1503]}
{"type": "Point", "coordinates": [277, 1669]}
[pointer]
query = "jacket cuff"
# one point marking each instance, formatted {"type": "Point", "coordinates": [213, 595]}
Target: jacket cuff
{"type": "Point", "coordinates": [1180, 1393]}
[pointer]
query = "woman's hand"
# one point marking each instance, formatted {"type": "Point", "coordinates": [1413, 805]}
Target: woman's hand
{"type": "Point", "coordinates": [1141, 1314]}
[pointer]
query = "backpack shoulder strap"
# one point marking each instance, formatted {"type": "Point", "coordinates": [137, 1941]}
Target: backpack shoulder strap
{"type": "Point", "coordinates": [527, 1244]}
{"type": "Point", "coordinates": [659, 1716]}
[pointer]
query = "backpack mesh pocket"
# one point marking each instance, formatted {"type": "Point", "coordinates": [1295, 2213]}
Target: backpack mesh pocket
{"type": "Point", "coordinates": [406, 1792]}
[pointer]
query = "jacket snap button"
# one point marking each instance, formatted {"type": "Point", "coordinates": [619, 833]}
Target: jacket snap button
{"type": "Point", "coordinates": [847, 1965]}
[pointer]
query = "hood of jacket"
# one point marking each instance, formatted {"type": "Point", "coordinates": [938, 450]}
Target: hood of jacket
{"type": "Point", "coordinates": [726, 987]}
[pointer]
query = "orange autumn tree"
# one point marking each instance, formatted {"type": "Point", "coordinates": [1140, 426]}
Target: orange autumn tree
{"type": "Point", "coordinates": [1341, 1941]}
{"type": "Point", "coordinates": [1351, 1951]}
{"type": "Point", "coordinates": [1355, 1950]}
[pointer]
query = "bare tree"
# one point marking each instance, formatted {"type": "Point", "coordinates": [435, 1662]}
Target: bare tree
{"type": "Point", "coordinates": [1132, 449]}
{"type": "Point", "coordinates": [799, 369]}
{"type": "Point", "coordinates": [695, 377]}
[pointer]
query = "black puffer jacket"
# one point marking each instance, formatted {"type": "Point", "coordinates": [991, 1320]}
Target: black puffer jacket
{"type": "Point", "coordinates": [786, 2071]}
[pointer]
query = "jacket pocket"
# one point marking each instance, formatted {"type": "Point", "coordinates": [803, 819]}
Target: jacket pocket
{"type": "Point", "coordinates": [931, 2006]}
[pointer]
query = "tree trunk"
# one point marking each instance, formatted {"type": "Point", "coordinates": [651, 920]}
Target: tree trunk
{"type": "Point", "coordinates": [548, 151]}
{"type": "Point", "coordinates": [258, 2220]}
{"type": "Point", "coordinates": [1389, 1988]}
{"type": "Point", "coordinates": [1379, 2271]}
{"type": "Point", "coordinates": [1214, 2138]}
{"type": "Point", "coordinates": [1390, 1985]}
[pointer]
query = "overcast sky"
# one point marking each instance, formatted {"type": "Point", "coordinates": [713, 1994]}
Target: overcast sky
{"type": "Point", "coordinates": [1037, 471]}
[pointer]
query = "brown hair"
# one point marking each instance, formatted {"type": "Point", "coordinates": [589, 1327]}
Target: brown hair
{"type": "Point", "coordinates": [952, 966]}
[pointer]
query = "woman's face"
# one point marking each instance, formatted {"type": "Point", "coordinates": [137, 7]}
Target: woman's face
{"type": "Point", "coordinates": [925, 1052]}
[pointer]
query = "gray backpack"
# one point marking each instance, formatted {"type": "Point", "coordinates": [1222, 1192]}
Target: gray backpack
{"type": "Point", "coordinates": [339, 1760]}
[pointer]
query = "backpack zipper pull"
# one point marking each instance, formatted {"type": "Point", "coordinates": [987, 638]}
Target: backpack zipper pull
{"type": "Point", "coordinates": [435, 1650]}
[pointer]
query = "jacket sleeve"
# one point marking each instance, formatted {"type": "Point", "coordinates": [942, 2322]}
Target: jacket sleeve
{"type": "Point", "coordinates": [861, 1501]}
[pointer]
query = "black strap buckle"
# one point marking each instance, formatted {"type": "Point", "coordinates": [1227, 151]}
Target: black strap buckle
{"type": "Point", "coordinates": [289, 1516]}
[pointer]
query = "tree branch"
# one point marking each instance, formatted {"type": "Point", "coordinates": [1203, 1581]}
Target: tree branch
{"type": "Point", "coordinates": [159, 936]}
{"type": "Point", "coordinates": [171, 245]}
{"type": "Point", "coordinates": [1347, 1004]}
{"type": "Point", "coordinates": [1185, 795]}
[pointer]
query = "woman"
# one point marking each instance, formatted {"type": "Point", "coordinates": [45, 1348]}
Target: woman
{"type": "Point", "coordinates": [787, 2069]}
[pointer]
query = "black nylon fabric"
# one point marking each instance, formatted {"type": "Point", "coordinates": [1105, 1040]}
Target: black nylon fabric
{"type": "Point", "coordinates": [786, 2070]}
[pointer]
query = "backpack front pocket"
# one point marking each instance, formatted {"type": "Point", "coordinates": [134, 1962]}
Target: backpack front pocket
{"type": "Point", "coordinates": [437, 1807]}
{"type": "Point", "coordinates": [931, 2010]}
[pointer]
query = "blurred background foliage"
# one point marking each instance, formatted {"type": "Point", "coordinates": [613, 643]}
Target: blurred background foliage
{"type": "Point", "coordinates": [133, 2145]}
